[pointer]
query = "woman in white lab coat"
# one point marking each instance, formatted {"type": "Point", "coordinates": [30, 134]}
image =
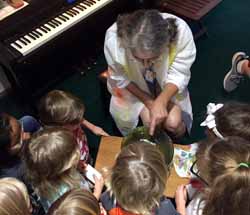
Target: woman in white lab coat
{"type": "Point", "coordinates": [149, 55]}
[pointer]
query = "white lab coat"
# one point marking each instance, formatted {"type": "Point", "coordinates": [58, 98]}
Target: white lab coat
{"type": "Point", "coordinates": [173, 66]}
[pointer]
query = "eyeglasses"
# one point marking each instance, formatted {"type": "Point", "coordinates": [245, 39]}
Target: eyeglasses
{"type": "Point", "coordinates": [149, 61]}
{"type": "Point", "coordinates": [194, 170]}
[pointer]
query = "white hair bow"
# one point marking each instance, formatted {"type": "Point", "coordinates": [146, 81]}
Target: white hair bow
{"type": "Point", "coordinates": [210, 119]}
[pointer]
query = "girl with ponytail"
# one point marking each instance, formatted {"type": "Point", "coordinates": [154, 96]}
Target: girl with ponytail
{"type": "Point", "coordinates": [224, 166]}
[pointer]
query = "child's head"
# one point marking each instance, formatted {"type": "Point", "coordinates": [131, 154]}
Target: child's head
{"type": "Point", "coordinates": [138, 177]}
{"type": "Point", "coordinates": [51, 159]}
{"type": "Point", "coordinates": [225, 166]}
{"type": "Point", "coordinates": [60, 108]}
{"type": "Point", "coordinates": [10, 135]}
{"type": "Point", "coordinates": [231, 119]}
{"type": "Point", "coordinates": [14, 198]}
{"type": "Point", "coordinates": [76, 202]}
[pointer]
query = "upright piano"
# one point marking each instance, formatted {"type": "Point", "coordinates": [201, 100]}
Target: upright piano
{"type": "Point", "coordinates": [40, 42]}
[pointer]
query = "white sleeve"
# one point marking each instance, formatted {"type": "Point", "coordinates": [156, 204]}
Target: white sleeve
{"type": "Point", "coordinates": [179, 72]}
{"type": "Point", "coordinates": [117, 76]}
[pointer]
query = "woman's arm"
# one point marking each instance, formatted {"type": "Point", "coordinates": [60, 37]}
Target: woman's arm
{"type": "Point", "coordinates": [158, 111]}
{"type": "Point", "coordinates": [144, 97]}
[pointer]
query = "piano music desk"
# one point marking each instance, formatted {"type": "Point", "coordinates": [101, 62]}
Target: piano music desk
{"type": "Point", "coordinates": [110, 147]}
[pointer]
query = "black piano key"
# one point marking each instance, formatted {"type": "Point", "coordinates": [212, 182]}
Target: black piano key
{"type": "Point", "coordinates": [76, 11]}
{"type": "Point", "coordinates": [70, 14]}
{"type": "Point", "coordinates": [16, 44]}
{"type": "Point", "coordinates": [46, 28]}
{"type": "Point", "coordinates": [51, 24]}
{"type": "Point", "coordinates": [35, 34]}
{"type": "Point", "coordinates": [55, 23]}
{"type": "Point", "coordinates": [86, 3]}
{"type": "Point", "coordinates": [72, 11]}
{"type": "Point", "coordinates": [62, 18]}
{"type": "Point", "coordinates": [65, 17]}
{"type": "Point", "coordinates": [38, 33]}
{"type": "Point", "coordinates": [91, 2]}
{"type": "Point", "coordinates": [43, 29]}
{"type": "Point", "coordinates": [79, 7]}
{"type": "Point", "coordinates": [58, 22]}
{"type": "Point", "coordinates": [32, 36]}
{"type": "Point", "coordinates": [22, 41]}
{"type": "Point", "coordinates": [26, 40]}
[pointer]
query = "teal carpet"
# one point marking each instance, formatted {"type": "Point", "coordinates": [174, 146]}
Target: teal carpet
{"type": "Point", "coordinates": [228, 32]}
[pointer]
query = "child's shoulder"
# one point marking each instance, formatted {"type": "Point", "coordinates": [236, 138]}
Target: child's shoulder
{"type": "Point", "coordinates": [166, 207]}
{"type": "Point", "coordinates": [108, 201]}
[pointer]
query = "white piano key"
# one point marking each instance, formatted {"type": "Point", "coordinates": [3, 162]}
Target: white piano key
{"type": "Point", "coordinates": [19, 43]}
{"type": "Point", "coordinates": [40, 31]}
{"type": "Point", "coordinates": [15, 46]}
{"type": "Point", "coordinates": [78, 10]}
{"type": "Point", "coordinates": [29, 38]}
{"type": "Point", "coordinates": [65, 14]}
{"type": "Point", "coordinates": [48, 26]}
{"type": "Point", "coordinates": [59, 20]}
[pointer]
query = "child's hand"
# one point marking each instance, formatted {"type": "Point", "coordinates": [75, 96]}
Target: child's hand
{"type": "Point", "coordinates": [103, 211]}
{"type": "Point", "coordinates": [81, 166]}
{"type": "Point", "coordinates": [99, 183]}
{"type": "Point", "coordinates": [99, 131]}
{"type": "Point", "coordinates": [181, 199]}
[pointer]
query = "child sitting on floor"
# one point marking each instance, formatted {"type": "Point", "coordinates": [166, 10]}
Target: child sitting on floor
{"type": "Point", "coordinates": [223, 167]}
{"type": "Point", "coordinates": [59, 108]}
{"type": "Point", "coordinates": [137, 181]}
{"type": "Point", "coordinates": [13, 133]}
{"type": "Point", "coordinates": [76, 202]}
{"type": "Point", "coordinates": [229, 119]}
{"type": "Point", "coordinates": [51, 160]}
{"type": "Point", "coordinates": [14, 198]}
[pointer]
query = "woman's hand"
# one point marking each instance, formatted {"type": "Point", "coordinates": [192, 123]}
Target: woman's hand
{"type": "Point", "coordinates": [99, 131]}
{"type": "Point", "coordinates": [181, 199]}
{"type": "Point", "coordinates": [158, 113]}
{"type": "Point", "coordinates": [149, 104]}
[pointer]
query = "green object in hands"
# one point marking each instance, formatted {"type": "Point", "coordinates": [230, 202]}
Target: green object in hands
{"type": "Point", "coordinates": [160, 139]}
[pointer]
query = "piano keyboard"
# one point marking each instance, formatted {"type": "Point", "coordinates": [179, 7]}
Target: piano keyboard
{"type": "Point", "coordinates": [57, 25]}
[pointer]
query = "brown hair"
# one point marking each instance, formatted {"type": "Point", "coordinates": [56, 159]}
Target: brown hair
{"type": "Point", "coordinates": [60, 108]}
{"type": "Point", "coordinates": [233, 119]}
{"type": "Point", "coordinates": [219, 162]}
{"type": "Point", "coordinates": [75, 202]}
{"type": "Point", "coordinates": [138, 177]}
{"type": "Point", "coordinates": [14, 198]}
{"type": "Point", "coordinates": [146, 30]}
{"type": "Point", "coordinates": [51, 159]}
{"type": "Point", "coordinates": [10, 136]}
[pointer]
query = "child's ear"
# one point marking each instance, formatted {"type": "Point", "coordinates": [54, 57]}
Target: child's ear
{"type": "Point", "coordinates": [26, 135]}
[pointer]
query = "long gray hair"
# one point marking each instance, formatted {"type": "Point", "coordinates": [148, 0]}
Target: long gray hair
{"type": "Point", "coordinates": [146, 30]}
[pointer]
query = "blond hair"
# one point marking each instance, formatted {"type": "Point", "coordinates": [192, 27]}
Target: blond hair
{"type": "Point", "coordinates": [75, 202]}
{"type": "Point", "coordinates": [60, 108]}
{"type": "Point", "coordinates": [14, 198]}
{"type": "Point", "coordinates": [51, 159]}
{"type": "Point", "coordinates": [138, 178]}
{"type": "Point", "coordinates": [220, 164]}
